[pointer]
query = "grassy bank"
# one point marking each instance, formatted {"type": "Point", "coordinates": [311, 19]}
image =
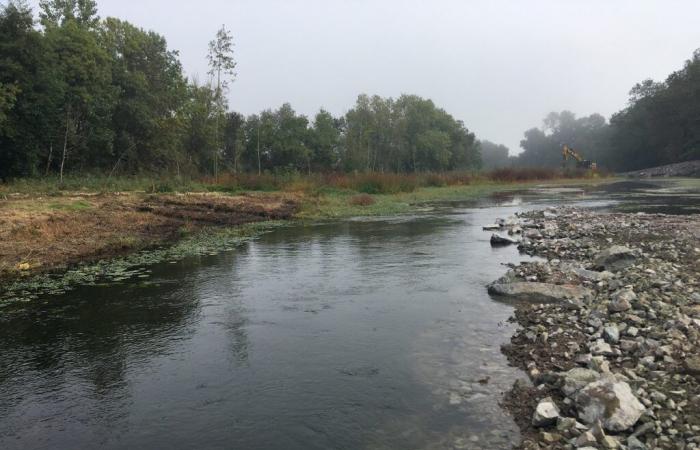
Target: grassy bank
{"type": "Point", "coordinates": [46, 227]}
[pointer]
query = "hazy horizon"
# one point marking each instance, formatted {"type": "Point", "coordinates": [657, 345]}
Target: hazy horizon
{"type": "Point", "coordinates": [499, 66]}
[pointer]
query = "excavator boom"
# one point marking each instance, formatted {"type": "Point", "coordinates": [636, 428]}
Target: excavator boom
{"type": "Point", "coordinates": [568, 152]}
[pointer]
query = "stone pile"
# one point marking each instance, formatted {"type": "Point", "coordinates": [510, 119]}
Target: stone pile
{"type": "Point", "coordinates": [609, 330]}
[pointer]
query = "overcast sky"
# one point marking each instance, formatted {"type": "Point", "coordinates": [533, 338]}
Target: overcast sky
{"type": "Point", "coordinates": [500, 66]}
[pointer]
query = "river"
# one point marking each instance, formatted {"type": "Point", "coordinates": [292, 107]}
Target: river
{"type": "Point", "coordinates": [372, 333]}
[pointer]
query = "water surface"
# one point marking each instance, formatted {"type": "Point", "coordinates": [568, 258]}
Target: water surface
{"type": "Point", "coordinates": [364, 334]}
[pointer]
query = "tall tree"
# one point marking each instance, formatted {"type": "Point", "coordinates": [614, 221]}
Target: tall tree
{"type": "Point", "coordinates": [151, 93]}
{"type": "Point", "coordinates": [222, 66]}
{"type": "Point", "coordinates": [55, 13]}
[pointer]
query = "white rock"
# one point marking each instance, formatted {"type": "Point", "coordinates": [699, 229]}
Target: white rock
{"type": "Point", "coordinates": [610, 401]}
{"type": "Point", "coordinates": [546, 413]}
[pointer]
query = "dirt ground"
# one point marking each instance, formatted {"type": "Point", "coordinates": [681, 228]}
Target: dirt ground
{"type": "Point", "coordinates": [40, 234]}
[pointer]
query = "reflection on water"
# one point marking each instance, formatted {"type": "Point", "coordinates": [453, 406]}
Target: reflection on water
{"type": "Point", "coordinates": [364, 334]}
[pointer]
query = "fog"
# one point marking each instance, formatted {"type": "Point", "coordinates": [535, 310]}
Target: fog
{"type": "Point", "coordinates": [500, 66]}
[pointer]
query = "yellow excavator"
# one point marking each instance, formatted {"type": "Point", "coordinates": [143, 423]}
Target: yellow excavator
{"type": "Point", "coordinates": [568, 152]}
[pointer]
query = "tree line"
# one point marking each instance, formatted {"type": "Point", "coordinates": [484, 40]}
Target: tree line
{"type": "Point", "coordinates": [83, 94]}
{"type": "Point", "coordinates": [660, 125]}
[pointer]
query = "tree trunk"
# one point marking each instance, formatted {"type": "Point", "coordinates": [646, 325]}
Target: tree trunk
{"type": "Point", "coordinates": [259, 171]}
{"type": "Point", "coordinates": [48, 161]}
{"type": "Point", "coordinates": [65, 147]}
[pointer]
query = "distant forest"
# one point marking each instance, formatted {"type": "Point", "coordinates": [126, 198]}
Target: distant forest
{"type": "Point", "coordinates": [660, 125]}
{"type": "Point", "coordinates": [80, 94]}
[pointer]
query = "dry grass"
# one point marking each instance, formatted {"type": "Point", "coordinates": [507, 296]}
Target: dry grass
{"type": "Point", "coordinates": [361, 200]}
{"type": "Point", "coordinates": [41, 234]}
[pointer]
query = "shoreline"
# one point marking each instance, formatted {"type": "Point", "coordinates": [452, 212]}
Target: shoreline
{"type": "Point", "coordinates": [53, 236]}
{"type": "Point", "coordinates": [611, 343]}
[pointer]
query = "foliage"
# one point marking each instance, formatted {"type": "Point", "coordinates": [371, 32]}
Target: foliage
{"type": "Point", "coordinates": [660, 125]}
{"type": "Point", "coordinates": [81, 94]}
{"type": "Point", "coordinates": [494, 156]}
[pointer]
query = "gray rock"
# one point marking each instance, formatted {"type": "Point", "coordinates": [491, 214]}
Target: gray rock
{"type": "Point", "coordinates": [538, 292]}
{"type": "Point", "coordinates": [600, 347]}
{"type": "Point", "coordinates": [610, 401]}
{"type": "Point", "coordinates": [611, 334]}
{"type": "Point", "coordinates": [621, 300]}
{"type": "Point", "coordinates": [586, 439]}
{"type": "Point", "coordinates": [578, 378]}
{"type": "Point", "coordinates": [614, 258]}
{"type": "Point", "coordinates": [635, 444]}
{"type": "Point", "coordinates": [546, 413]}
{"type": "Point", "coordinates": [692, 365]}
{"type": "Point", "coordinates": [498, 239]}
{"type": "Point", "coordinates": [491, 227]}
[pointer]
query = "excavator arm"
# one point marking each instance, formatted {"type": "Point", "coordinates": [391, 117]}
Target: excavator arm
{"type": "Point", "coordinates": [568, 152]}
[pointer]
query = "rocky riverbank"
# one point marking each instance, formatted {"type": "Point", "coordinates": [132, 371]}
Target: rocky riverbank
{"type": "Point", "coordinates": [682, 169]}
{"type": "Point", "coordinates": [609, 329]}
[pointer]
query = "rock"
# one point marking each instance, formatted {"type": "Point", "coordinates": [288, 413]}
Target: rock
{"type": "Point", "coordinates": [497, 239]}
{"type": "Point", "coordinates": [692, 365]}
{"type": "Point", "coordinates": [550, 438]}
{"type": "Point", "coordinates": [491, 227]}
{"type": "Point", "coordinates": [546, 413]}
{"type": "Point", "coordinates": [533, 234]}
{"type": "Point", "coordinates": [539, 292]}
{"type": "Point", "coordinates": [614, 258]}
{"type": "Point", "coordinates": [611, 334]}
{"type": "Point", "coordinates": [600, 347]}
{"type": "Point", "coordinates": [578, 378]}
{"type": "Point", "coordinates": [566, 423]}
{"type": "Point", "coordinates": [621, 300]}
{"type": "Point", "coordinates": [609, 442]}
{"type": "Point", "coordinates": [635, 444]}
{"type": "Point", "coordinates": [610, 401]}
{"type": "Point", "coordinates": [586, 439]}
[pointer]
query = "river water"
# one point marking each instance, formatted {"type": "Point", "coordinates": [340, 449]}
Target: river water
{"type": "Point", "coordinates": [363, 334]}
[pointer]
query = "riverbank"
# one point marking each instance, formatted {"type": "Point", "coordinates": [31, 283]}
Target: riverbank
{"type": "Point", "coordinates": [611, 344]}
{"type": "Point", "coordinates": [44, 230]}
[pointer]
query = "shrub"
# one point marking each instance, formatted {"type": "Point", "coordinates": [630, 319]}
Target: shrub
{"type": "Point", "coordinates": [361, 200]}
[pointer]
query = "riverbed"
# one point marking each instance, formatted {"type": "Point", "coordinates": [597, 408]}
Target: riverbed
{"type": "Point", "coordinates": [370, 333]}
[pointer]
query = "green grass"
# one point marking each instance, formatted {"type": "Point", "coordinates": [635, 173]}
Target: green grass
{"type": "Point", "coordinates": [78, 205]}
{"type": "Point", "coordinates": [338, 204]}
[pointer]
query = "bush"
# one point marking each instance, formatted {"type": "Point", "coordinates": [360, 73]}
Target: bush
{"type": "Point", "coordinates": [362, 200]}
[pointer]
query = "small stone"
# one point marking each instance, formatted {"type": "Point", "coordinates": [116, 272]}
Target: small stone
{"type": "Point", "coordinates": [546, 413]}
{"type": "Point", "coordinates": [611, 334]}
{"type": "Point", "coordinates": [600, 347]}
{"type": "Point", "coordinates": [585, 439]}
{"type": "Point", "coordinates": [635, 444]}
{"type": "Point", "coordinates": [692, 365]}
{"type": "Point", "coordinates": [550, 438]}
{"type": "Point", "coordinates": [621, 300]}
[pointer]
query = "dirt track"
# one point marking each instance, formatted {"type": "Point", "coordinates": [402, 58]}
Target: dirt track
{"type": "Point", "coordinates": [39, 234]}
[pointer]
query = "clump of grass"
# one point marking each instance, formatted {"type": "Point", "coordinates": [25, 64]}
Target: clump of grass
{"type": "Point", "coordinates": [361, 200]}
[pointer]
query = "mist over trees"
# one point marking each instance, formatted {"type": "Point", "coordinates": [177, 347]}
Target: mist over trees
{"type": "Point", "coordinates": [660, 125]}
{"type": "Point", "coordinates": [81, 94]}
{"type": "Point", "coordinates": [494, 156]}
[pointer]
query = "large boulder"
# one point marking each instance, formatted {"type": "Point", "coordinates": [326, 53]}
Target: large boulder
{"type": "Point", "coordinates": [614, 258]}
{"type": "Point", "coordinates": [538, 292]}
{"type": "Point", "coordinates": [609, 401]}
